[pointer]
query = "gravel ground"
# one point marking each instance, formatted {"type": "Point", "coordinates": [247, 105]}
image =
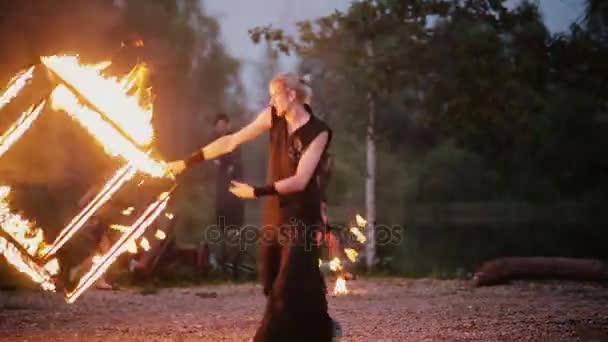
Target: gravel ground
{"type": "Point", "coordinates": [375, 310]}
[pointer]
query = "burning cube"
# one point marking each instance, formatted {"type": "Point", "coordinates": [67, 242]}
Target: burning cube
{"type": "Point", "coordinates": [112, 111]}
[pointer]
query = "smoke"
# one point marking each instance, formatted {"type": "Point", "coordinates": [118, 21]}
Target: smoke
{"type": "Point", "coordinates": [55, 161]}
{"type": "Point", "coordinates": [31, 28]}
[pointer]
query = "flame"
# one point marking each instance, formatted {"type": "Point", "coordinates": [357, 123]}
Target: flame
{"type": "Point", "coordinates": [108, 95]}
{"type": "Point", "coordinates": [360, 237]}
{"type": "Point", "coordinates": [24, 264]}
{"type": "Point", "coordinates": [119, 228]}
{"type": "Point", "coordinates": [135, 231]}
{"type": "Point", "coordinates": [169, 216]}
{"type": "Point", "coordinates": [361, 222]}
{"type": "Point", "coordinates": [145, 244]}
{"type": "Point", "coordinates": [52, 267]}
{"type": "Point", "coordinates": [131, 247]}
{"type": "Point", "coordinates": [19, 127]}
{"type": "Point", "coordinates": [351, 254]}
{"type": "Point", "coordinates": [160, 235]}
{"type": "Point", "coordinates": [121, 176]}
{"type": "Point", "coordinates": [340, 287]}
{"type": "Point", "coordinates": [118, 113]}
{"type": "Point", "coordinates": [30, 242]}
{"type": "Point", "coordinates": [335, 264]}
{"type": "Point", "coordinates": [15, 85]}
{"type": "Point", "coordinates": [128, 211]}
{"type": "Point", "coordinates": [21, 230]}
{"type": "Point", "coordinates": [113, 142]}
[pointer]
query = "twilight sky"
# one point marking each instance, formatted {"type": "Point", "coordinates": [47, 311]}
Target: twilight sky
{"type": "Point", "coordinates": [237, 16]}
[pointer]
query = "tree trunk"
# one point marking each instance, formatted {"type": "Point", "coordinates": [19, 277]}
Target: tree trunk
{"type": "Point", "coordinates": [370, 182]}
{"type": "Point", "coordinates": [501, 270]}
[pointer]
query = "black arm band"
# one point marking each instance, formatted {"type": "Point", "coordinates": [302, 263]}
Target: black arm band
{"type": "Point", "coordinates": [194, 158]}
{"type": "Point", "coordinates": [266, 190]}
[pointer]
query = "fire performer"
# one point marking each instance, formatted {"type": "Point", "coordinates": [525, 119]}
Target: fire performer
{"type": "Point", "coordinates": [296, 308]}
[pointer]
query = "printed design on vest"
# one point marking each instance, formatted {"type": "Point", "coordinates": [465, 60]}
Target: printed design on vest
{"type": "Point", "coordinates": [295, 148]}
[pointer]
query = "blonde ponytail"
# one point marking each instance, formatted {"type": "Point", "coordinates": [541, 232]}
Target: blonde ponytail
{"type": "Point", "coordinates": [301, 85]}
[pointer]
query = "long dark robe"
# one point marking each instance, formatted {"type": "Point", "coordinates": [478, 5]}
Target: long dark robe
{"type": "Point", "coordinates": [296, 308]}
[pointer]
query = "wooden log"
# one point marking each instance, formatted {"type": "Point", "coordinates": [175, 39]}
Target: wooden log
{"type": "Point", "coordinates": [501, 270]}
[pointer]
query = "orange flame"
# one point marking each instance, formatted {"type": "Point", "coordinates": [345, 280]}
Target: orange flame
{"type": "Point", "coordinates": [113, 142]}
{"type": "Point", "coordinates": [358, 234]}
{"type": "Point", "coordinates": [31, 241]}
{"type": "Point", "coordinates": [340, 287]}
{"type": "Point", "coordinates": [361, 222]}
{"type": "Point", "coordinates": [128, 211]}
{"type": "Point", "coordinates": [160, 235]}
{"type": "Point", "coordinates": [351, 254]}
{"type": "Point", "coordinates": [119, 227]}
{"type": "Point", "coordinates": [24, 264]}
{"type": "Point", "coordinates": [145, 244]}
{"type": "Point", "coordinates": [15, 85]}
{"type": "Point", "coordinates": [97, 258]}
{"type": "Point", "coordinates": [20, 229]}
{"type": "Point", "coordinates": [131, 247]}
{"type": "Point", "coordinates": [335, 264]}
{"type": "Point", "coordinates": [19, 127]}
{"type": "Point", "coordinates": [52, 267]}
{"type": "Point", "coordinates": [107, 95]}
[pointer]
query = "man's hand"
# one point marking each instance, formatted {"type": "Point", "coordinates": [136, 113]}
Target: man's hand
{"type": "Point", "coordinates": [176, 167]}
{"type": "Point", "coordinates": [241, 190]}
